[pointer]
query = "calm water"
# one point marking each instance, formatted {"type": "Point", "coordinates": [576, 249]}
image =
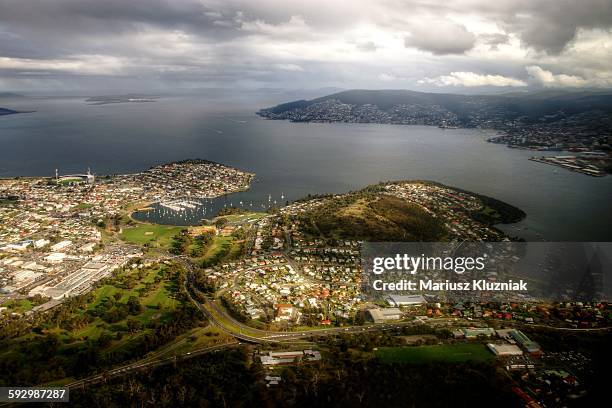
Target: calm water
{"type": "Point", "coordinates": [294, 160]}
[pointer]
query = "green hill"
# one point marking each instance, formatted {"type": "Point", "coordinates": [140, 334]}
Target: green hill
{"type": "Point", "coordinates": [366, 216]}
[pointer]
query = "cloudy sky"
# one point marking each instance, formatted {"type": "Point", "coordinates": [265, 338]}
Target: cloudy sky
{"type": "Point", "coordinates": [443, 46]}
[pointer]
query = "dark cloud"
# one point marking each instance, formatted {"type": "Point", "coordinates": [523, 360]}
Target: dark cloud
{"type": "Point", "coordinates": [167, 42]}
{"type": "Point", "coordinates": [551, 25]}
{"type": "Point", "coordinates": [440, 38]}
{"type": "Point", "coordinates": [545, 25]}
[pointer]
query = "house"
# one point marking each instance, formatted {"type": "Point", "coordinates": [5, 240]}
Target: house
{"type": "Point", "coordinates": [284, 312]}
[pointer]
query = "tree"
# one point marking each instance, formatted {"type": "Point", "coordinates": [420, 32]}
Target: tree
{"type": "Point", "coordinates": [133, 325]}
{"type": "Point", "coordinates": [220, 222]}
{"type": "Point", "coordinates": [134, 306]}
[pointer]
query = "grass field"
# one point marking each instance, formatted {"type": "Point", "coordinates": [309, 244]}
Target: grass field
{"type": "Point", "coordinates": [242, 218]}
{"type": "Point", "coordinates": [195, 339]}
{"type": "Point", "coordinates": [218, 245]}
{"type": "Point", "coordinates": [84, 206]}
{"type": "Point", "coordinates": [156, 298]}
{"type": "Point", "coordinates": [221, 249]}
{"type": "Point", "coordinates": [374, 218]}
{"type": "Point", "coordinates": [130, 315]}
{"type": "Point", "coordinates": [455, 353]}
{"type": "Point", "coordinates": [156, 236]}
{"type": "Point", "coordinates": [18, 306]}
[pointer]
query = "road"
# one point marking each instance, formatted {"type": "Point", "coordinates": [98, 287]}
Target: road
{"type": "Point", "coordinates": [571, 329]}
{"type": "Point", "coordinates": [147, 363]}
{"type": "Point", "coordinates": [219, 317]}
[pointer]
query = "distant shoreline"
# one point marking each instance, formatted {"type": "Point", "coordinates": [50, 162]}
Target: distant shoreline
{"type": "Point", "coordinates": [6, 112]}
{"type": "Point", "coordinates": [105, 100]}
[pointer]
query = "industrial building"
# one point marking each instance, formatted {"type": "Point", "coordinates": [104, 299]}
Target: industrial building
{"type": "Point", "coordinates": [383, 315]}
{"type": "Point", "coordinates": [502, 350]}
{"type": "Point", "coordinates": [473, 332]}
{"type": "Point", "coordinates": [289, 357]}
{"type": "Point", "coordinates": [525, 342]}
{"type": "Point", "coordinates": [405, 300]}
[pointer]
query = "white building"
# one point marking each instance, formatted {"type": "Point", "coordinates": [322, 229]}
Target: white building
{"type": "Point", "coordinates": [405, 300]}
{"type": "Point", "coordinates": [61, 245]}
{"type": "Point", "coordinates": [88, 247]}
{"type": "Point", "coordinates": [55, 257]}
{"type": "Point", "coordinates": [382, 315]}
{"type": "Point", "coordinates": [289, 357]}
{"type": "Point", "coordinates": [39, 243]}
{"type": "Point", "coordinates": [505, 349]}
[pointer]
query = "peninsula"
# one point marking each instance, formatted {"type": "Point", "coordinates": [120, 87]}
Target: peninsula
{"type": "Point", "coordinates": [579, 122]}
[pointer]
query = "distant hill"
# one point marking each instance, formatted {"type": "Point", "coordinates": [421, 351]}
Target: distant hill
{"type": "Point", "coordinates": [410, 107]}
{"type": "Point", "coordinates": [10, 95]}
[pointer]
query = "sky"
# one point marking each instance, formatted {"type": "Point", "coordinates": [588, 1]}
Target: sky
{"type": "Point", "coordinates": [460, 46]}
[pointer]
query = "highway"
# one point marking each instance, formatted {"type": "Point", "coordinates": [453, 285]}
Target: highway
{"type": "Point", "coordinates": [219, 317]}
{"type": "Point", "coordinates": [147, 363]}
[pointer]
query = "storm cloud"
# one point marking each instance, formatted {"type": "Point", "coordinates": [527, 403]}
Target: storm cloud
{"type": "Point", "coordinates": [180, 44]}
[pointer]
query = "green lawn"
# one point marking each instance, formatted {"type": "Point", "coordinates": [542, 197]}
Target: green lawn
{"type": "Point", "coordinates": [246, 217]}
{"type": "Point", "coordinates": [92, 330]}
{"type": "Point", "coordinates": [100, 321]}
{"type": "Point", "coordinates": [157, 236]}
{"type": "Point", "coordinates": [218, 244]}
{"type": "Point", "coordinates": [444, 353]}
{"type": "Point", "coordinates": [70, 180]}
{"type": "Point", "coordinates": [83, 206]}
{"type": "Point", "coordinates": [158, 295]}
{"type": "Point", "coordinates": [217, 250]}
{"type": "Point", "coordinates": [18, 306]}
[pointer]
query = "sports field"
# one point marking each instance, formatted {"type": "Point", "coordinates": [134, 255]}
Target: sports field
{"type": "Point", "coordinates": [158, 236]}
{"type": "Point", "coordinates": [454, 353]}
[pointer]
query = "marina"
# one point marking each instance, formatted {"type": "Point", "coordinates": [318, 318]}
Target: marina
{"type": "Point", "coordinates": [194, 211]}
{"type": "Point", "coordinates": [180, 205]}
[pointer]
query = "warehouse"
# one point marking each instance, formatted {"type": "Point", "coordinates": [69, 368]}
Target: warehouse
{"type": "Point", "coordinates": [405, 300]}
{"type": "Point", "coordinates": [502, 350]}
{"type": "Point", "coordinates": [383, 315]}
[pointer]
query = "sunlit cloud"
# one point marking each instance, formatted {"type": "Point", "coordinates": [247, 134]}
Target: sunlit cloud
{"type": "Point", "coordinates": [345, 43]}
{"type": "Point", "coordinates": [469, 79]}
